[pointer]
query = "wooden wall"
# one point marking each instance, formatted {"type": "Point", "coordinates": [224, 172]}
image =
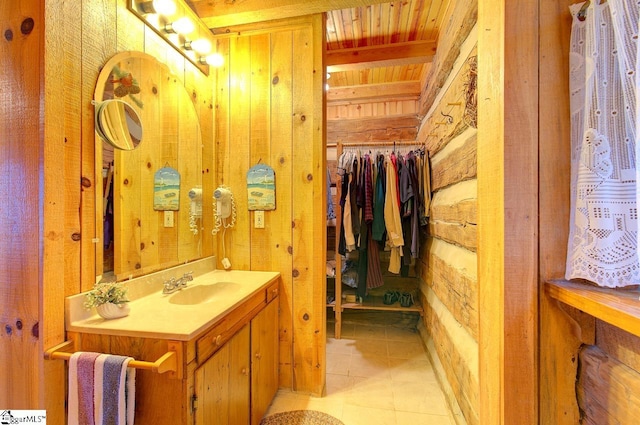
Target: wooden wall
{"type": "Point", "coordinates": [603, 359]}
{"type": "Point", "coordinates": [270, 110]}
{"type": "Point", "coordinates": [448, 262]}
{"type": "Point", "coordinates": [52, 54]}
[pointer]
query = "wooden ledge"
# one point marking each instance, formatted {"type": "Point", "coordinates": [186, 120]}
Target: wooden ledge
{"type": "Point", "coordinates": [619, 307]}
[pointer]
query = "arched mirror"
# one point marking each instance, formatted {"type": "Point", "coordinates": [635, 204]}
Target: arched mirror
{"type": "Point", "coordinates": [118, 124]}
{"type": "Point", "coordinates": [136, 94]}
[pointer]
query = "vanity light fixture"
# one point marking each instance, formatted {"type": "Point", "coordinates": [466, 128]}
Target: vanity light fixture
{"type": "Point", "coordinates": [182, 26]}
{"type": "Point", "coordinates": [178, 25]}
{"type": "Point", "coordinates": [161, 7]}
{"type": "Point", "coordinates": [201, 45]}
{"type": "Point", "coordinates": [214, 59]}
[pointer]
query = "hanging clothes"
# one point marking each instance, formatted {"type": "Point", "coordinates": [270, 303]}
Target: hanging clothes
{"type": "Point", "coordinates": [392, 219]}
{"type": "Point", "coordinates": [378, 231]}
{"type": "Point", "coordinates": [331, 214]}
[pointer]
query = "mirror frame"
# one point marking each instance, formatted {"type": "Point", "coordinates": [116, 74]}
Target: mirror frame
{"type": "Point", "coordinates": [99, 193]}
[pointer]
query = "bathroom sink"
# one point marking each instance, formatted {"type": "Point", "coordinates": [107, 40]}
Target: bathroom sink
{"type": "Point", "coordinates": [201, 294]}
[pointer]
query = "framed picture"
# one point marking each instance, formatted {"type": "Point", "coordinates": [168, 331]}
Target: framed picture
{"type": "Point", "coordinates": [166, 189]}
{"type": "Point", "coordinates": [261, 188]}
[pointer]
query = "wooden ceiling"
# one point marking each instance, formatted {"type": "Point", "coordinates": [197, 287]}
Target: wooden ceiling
{"type": "Point", "coordinates": [376, 46]}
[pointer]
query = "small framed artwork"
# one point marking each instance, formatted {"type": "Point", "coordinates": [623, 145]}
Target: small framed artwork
{"type": "Point", "coordinates": [166, 189]}
{"type": "Point", "coordinates": [261, 188]}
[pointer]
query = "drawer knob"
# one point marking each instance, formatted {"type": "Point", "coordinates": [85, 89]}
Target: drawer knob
{"type": "Point", "coordinates": [218, 339]}
{"type": "Point", "coordinates": [274, 291]}
{"type": "Point", "coordinates": [258, 356]}
{"type": "Point", "coordinates": [244, 371]}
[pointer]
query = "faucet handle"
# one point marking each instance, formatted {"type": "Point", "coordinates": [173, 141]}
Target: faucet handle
{"type": "Point", "coordinates": [188, 276]}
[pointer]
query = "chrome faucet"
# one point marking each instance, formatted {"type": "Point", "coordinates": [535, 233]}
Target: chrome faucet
{"type": "Point", "coordinates": [172, 285]}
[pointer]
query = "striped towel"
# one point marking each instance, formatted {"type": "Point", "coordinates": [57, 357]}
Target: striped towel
{"type": "Point", "coordinates": [101, 390]}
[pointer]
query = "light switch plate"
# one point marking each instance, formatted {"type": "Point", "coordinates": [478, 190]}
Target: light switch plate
{"type": "Point", "coordinates": [168, 219]}
{"type": "Point", "coordinates": [258, 219]}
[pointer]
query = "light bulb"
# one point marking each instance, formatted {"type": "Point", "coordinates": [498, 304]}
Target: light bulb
{"type": "Point", "coordinates": [328, 75]}
{"type": "Point", "coordinates": [164, 7]}
{"type": "Point", "coordinates": [201, 45]}
{"type": "Point", "coordinates": [182, 26]}
{"type": "Point", "coordinates": [214, 59]}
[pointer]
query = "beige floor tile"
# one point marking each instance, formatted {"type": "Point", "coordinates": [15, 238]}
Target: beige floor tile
{"type": "Point", "coordinates": [337, 385]}
{"type": "Point", "coordinates": [371, 347]}
{"type": "Point", "coordinates": [406, 350]}
{"type": "Point", "coordinates": [417, 369]}
{"type": "Point", "coordinates": [408, 418]}
{"type": "Point", "coordinates": [402, 334]}
{"type": "Point", "coordinates": [332, 406]}
{"type": "Point", "coordinates": [369, 366]}
{"type": "Point", "coordinates": [338, 363]}
{"type": "Point", "coordinates": [419, 397]}
{"type": "Point", "coordinates": [356, 415]}
{"type": "Point", "coordinates": [348, 330]}
{"type": "Point", "coordinates": [342, 346]}
{"type": "Point", "coordinates": [285, 401]}
{"type": "Point", "coordinates": [370, 392]}
{"type": "Point", "coordinates": [370, 332]}
{"type": "Point", "coordinates": [375, 375]}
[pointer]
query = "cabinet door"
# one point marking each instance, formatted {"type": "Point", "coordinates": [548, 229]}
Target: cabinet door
{"type": "Point", "coordinates": [222, 384]}
{"type": "Point", "coordinates": [264, 360]}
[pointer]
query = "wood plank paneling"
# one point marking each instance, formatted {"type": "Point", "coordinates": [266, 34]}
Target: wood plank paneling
{"type": "Point", "coordinates": [260, 140]}
{"type": "Point", "coordinates": [237, 163]}
{"type": "Point", "coordinates": [508, 210]}
{"type": "Point", "coordinates": [21, 222]}
{"type": "Point", "coordinates": [560, 334]}
{"type": "Point", "coordinates": [55, 207]}
{"type": "Point", "coordinates": [286, 115]}
{"type": "Point", "coordinates": [282, 61]}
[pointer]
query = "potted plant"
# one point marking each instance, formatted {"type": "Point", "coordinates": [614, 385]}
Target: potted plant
{"type": "Point", "coordinates": [109, 299]}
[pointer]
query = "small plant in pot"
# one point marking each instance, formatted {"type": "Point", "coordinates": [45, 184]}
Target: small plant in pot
{"type": "Point", "coordinates": [109, 299]}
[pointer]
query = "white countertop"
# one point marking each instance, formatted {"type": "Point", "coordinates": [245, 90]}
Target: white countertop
{"type": "Point", "coordinates": [154, 316]}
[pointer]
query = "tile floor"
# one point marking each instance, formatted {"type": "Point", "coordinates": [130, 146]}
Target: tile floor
{"type": "Point", "coordinates": [375, 375]}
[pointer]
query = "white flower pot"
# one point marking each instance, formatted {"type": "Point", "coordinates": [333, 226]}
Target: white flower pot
{"type": "Point", "coordinates": [113, 311]}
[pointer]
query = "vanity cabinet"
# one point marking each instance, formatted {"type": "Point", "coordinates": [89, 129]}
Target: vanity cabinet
{"type": "Point", "coordinates": [222, 384]}
{"type": "Point", "coordinates": [227, 373]}
{"type": "Point", "coordinates": [237, 384]}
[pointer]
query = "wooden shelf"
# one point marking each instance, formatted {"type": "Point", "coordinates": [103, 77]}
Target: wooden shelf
{"type": "Point", "coordinates": [376, 303]}
{"type": "Point", "coordinates": [619, 307]}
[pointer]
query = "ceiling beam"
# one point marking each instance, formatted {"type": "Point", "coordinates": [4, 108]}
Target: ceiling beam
{"type": "Point", "coordinates": [225, 13]}
{"type": "Point", "coordinates": [379, 92]}
{"type": "Point", "coordinates": [395, 54]}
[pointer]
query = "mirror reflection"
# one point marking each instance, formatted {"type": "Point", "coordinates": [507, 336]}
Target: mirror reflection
{"type": "Point", "coordinates": [136, 237]}
{"type": "Point", "coordinates": [118, 124]}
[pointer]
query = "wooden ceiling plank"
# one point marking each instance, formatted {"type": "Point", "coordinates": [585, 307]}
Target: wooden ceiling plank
{"type": "Point", "coordinates": [332, 36]}
{"type": "Point", "coordinates": [374, 91]}
{"type": "Point", "coordinates": [372, 56]}
{"type": "Point", "coordinates": [222, 13]}
{"type": "Point", "coordinates": [375, 123]}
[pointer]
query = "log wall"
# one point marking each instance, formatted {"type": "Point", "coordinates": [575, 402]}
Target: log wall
{"type": "Point", "coordinates": [448, 263]}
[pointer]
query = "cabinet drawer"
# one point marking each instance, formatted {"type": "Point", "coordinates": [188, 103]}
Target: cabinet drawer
{"type": "Point", "coordinates": [273, 290]}
{"type": "Point", "coordinates": [222, 331]}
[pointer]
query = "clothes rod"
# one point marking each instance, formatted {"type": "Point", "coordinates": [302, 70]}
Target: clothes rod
{"type": "Point", "coordinates": [372, 144]}
{"type": "Point", "coordinates": [168, 362]}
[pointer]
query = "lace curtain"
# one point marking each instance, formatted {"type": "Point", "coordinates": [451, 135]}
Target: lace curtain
{"type": "Point", "coordinates": [603, 237]}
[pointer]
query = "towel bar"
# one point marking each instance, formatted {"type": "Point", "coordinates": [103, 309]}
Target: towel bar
{"type": "Point", "coordinates": [168, 362]}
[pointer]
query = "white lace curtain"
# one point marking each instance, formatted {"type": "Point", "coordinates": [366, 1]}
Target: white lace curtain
{"type": "Point", "coordinates": [603, 237]}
